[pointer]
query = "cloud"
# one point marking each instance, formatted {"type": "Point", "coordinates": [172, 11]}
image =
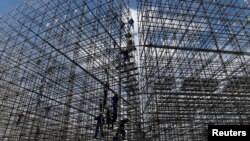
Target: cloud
{"type": "Point", "coordinates": [135, 31]}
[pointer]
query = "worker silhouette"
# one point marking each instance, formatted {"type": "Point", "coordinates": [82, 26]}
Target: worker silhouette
{"type": "Point", "coordinates": [109, 119]}
{"type": "Point", "coordinates": [20, 116]}
{"type": "Point", "coordinates": [99, 124]}
{"type": "Point", "coordinates": [131, 23]}
{"type": "Point", "coordinates": [47, 111]}
{"type": "Point", "coordinates": [125, 53]}
{"type": "Point", "coordinates": [121, 128]}
{"type": "Point", "coordinates": [115, 100]}
{"type": "Point", "coordinates": [122, 25]}
{"type": "Point", "coordinates": [105, 91]}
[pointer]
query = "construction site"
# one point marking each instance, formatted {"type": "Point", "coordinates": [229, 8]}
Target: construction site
{"type": "Point", "coordinates": [154, 70]}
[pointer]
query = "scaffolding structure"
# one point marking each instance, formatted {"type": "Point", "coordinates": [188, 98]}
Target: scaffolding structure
{"type": "Point", "coordinates": [190, 69]}
{"type": "Point", "coordinates": [56, 57]}
{"type": "Point", "coordinates": [194, 58]}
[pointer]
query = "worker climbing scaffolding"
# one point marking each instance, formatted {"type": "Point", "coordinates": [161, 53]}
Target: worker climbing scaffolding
{"type": "Point", "coordinates": [47, 111]}
{"type": "Point", "coordinates": [19, 119]}
{"type": "Point", "coordinates": [105, 91]}
{"type": "Point", "coordinates": [99, 125]}
{"type": "Point", "coordinates": [125, 53]}
{"type": "Point", "coordinates": [131, 23]}
{"type": "Point", "coordinates": [109, 119]}
{"type": "Point", "coordinates": [115, 100]}
{"type": "Point", "coordinates": [101, 108]}
{"type": "Point", "coordinates": [121, 128]}
{"type": "Point", "coordinates": [120, 132]}
{"type": "Point", "coordinates": [122, 25]}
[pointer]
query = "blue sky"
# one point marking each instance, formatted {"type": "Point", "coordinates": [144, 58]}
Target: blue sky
{"type": "Point", "coordinates": [7, 5]}
{"type": "Point", "coordinates": [133, 4]}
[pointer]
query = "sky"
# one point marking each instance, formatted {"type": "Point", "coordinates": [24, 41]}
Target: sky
{"type": "Point", "coordinates": [7, 5]}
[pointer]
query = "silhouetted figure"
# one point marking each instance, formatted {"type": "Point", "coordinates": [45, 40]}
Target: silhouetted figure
{"type": "Point", "coordinates": [39, 62]}
{"type": "Point", "coordinates": [115, 100]}
{"type": "Point", "coordinates": [109, 119]}
{"type": "Point", "coordinates": [121, 128]}
{"type": "Point", "coordinates": [131, 23]}
{"type": "Point", "coordinates": [47, 110]}
{"type": "Point", "coordinates": [125, 54]}
{"type": "Point", "coordinates": [114, 44]}
{"type": "Point", "coordinates": [122, 25]}
{"type": "Point", "coordinates": [105, 91]}
{"type": "Point", "coordinates": [100, 121]}
{"type": "Point", "coordinates": [20, 116]}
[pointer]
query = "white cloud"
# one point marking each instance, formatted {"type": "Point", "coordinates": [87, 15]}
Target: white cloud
{"type": "Point", "coordinates": [135, 31]}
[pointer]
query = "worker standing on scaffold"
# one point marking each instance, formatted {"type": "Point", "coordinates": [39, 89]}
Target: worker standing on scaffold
{"type": "Point", "coordinates": [101, 105]}
{"type": "Point", "coordinates": [121, 128]}
{"type": "Point", "coordinates": [131, 23]}
{"type": "Point", "coordinates": [20, 116]}
{"type": "Point", "coordinates": [115, 100]}
{"type": "Point", "coordinates": [47, 110]}
{"type": "Point", "coordinates": [125, 53]}
{"type": "Point", "coordinates": [109, 119]}
{"type": "Point", "coordinates": [100, 121]}
{"type": "Point", "coordinates": [122, 25]}
{"type": "Point", "coordinates": [105, 90]}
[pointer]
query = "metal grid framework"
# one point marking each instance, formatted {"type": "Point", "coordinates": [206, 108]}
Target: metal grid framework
{"type": "Point", "coordinates": [57, 55]}
{"type": "Point", "coordinates": [194, 58]}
